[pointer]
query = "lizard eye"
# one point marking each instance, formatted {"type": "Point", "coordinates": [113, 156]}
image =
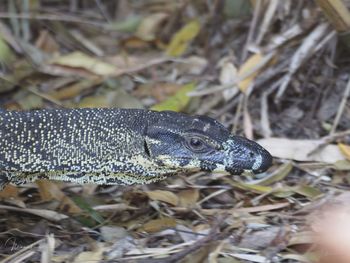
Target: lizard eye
{"type": "Point", "coordinates": [196, 144]}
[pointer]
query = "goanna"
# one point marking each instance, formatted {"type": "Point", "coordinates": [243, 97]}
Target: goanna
{"type": "Point", "coordinates": [118, 146]}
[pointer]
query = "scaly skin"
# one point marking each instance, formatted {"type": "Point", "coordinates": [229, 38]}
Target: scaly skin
{"type": "Point", "coordinates": [118, 146]}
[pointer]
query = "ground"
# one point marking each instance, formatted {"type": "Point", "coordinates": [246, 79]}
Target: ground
{"type": "Point", "coordinates": [274, 71]}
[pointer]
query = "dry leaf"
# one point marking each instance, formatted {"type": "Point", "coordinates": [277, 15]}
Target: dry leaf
{"type": "Point", "coordinates": [157, 225]}
{"type": "Point", "coordinates": [164, 196]}
{"type": "Point", "coordinates": [193, 65]}
{"type": "Point", "coordinates": [96, 255]}
{"type": "Point", "coordinates": [228, 76]}
{"type": "Point", "coordinates": [299, 149]}
{"type": "Point", "coordinates": [49, 190]}
{"type": "Point", "coordinates": [345, 149]}
{"type": "Point", "coordinates": [9, 191]}
{"type": "Point", "coordinates": [48, 214]}
{"type": "Point", "coordinates": [75, 89]}
{"type": "Point", "coordinates": [80, 60]}
{"type": "Point", "coordinates": [160, 91]}
{"type": "Point", "coordinates": [46, 42]}
{"type": "Point", "coordinates": [149, 26]}
{"type": "Point", "coordinates": [248, 67]}
{"type": "Point", "coordinates": [188, 198]}
{"type": "Point", "coordinates": [247, 121]}
{"type": "Point", "coordinates": [305, 237]}
{"type": "Point", "coordinates": [117, 98]}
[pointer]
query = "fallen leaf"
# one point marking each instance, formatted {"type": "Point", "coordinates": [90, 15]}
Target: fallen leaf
{"type": "Point", "coordinates": [307, 191]}
{"type": "Point", "coordinates": [193, 65]}
{"type": "Point", "coordinates": [276, 176]}
{"type": "Point", "coordinates": [113, 233]}
{"type": "Point", "coordinates": [261, 208]}
{"type": "Point", "coordinates": [160, 91]}
{"type": "Point", "coordinates": [80, 60]}
{"type": "Point", "coordinates": [6, 55]}
{"type": "Point", "coordinates": [84, 204]}
{"type": "Point", "coordinates": [149, 26]}
{"type": "Point", "coordinates": [129, 25]}
{"type": "Point", "coordinates": [49, 190]}
{"type": "Point", "coordinates": [228, 76]}
{"type": "Point", "coordinates": [342, 165]}
{"type": "Point", "coordinates": [177, 102]}
{"type": "Point", "coordinates": [164, 196]}
{"type": "Point", "coordinates": [157, 225]}
{"type": "Point", "coordinates": [247, 69]}
{"type": "Point", "coordinates": [48, 214]}
{"type": "Point", "coordinates": [46, 42]}
{"type": "Point", "coordinates": [117, 98]}
{"type": "Point", "coordinates": [299, 150]}
{"type": "Point", "coordinates": [75, 89]}
{"type": "Point", "coordinates": [252, 187]}
{"type": "Point", "coordinates": [134, 42]}
{"type": "Point", "coordinates": [7, 83]}
{"type": "Point", "coordinates": [304, 237]}
{"type": "Point", "coordinates": [345, 149]}
{"type": "Point", "coordinates": [188, 198]}
{"type": "Point", "coordinates": [237, 8]}
{"type": "Point", "coordinates": [9, 191]}
{"type": "Point", "coordinates": [97, 255]}
{"type": "Point", "coordinates": [250, 257]}
{"type": "Point", "coordinates": [28, 101]}
{"type": "Point", "coordinates": [180, 41]}
{"type": "Point", "coordinates": [281, 192]}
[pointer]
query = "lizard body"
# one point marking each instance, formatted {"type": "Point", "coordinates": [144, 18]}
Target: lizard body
{"type": "Point", "coordinates": [118, 146]}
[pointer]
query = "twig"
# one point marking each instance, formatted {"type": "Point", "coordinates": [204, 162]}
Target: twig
{"type": "Point", "coordinates": [251, 29]}
{"type": "Point", "coordinates": [341, 107]}
{"type": "Point", "coordinates": [61, 17]}
{"type": "Point", "coordinates": [102, 9]}
{"type": "Point", "coordinates": [214, 235]}
{"type": "Point", "coordinates": [259, 66]}
{"type": "Point", "coordinates": [328, 139]}
{"type": "Point", "coordinates": [337, 13]}
{"type": "Point", "coordinates": [22, 252]}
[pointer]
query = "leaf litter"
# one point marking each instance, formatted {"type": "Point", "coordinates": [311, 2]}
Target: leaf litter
{"type": "Point", "coordinates": [275, 71]}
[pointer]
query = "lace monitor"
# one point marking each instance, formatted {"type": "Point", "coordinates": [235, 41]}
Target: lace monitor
{"type": "Point", "coordinates": [118, 146]}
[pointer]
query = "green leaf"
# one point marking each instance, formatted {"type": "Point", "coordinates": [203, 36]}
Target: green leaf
{"type": "Point", "coordinates": [180, 41]}
{"type": "Point", "coordinates": [129, 25]}
{"type": "Point", "coordinates": [276, 176]}
{"type": "Point", "coordinates": [6, 55]}
{"type": "Point", "coordinates": [84, 205]}
{"type": "Point", "coordinates": [176, 102]}
{"type": "Point", "coordinates": [237, 8]}
{"type": "Point", "coordinates": [307, 191]}
{"type": "Point", "coordinates": [342, 165]}
{"type": "Point", "coordinates": [252, 187]}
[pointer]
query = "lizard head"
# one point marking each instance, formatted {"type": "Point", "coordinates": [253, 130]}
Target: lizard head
{"type": "Point", "coordinates": [179, 141]}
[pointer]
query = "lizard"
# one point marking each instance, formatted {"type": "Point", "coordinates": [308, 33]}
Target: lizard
{"type": "Point", "coordinates": [119, 146]}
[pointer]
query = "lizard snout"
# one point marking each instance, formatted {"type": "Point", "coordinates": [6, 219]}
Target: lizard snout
{"type": "Point", "coordinates": [243, 154]}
